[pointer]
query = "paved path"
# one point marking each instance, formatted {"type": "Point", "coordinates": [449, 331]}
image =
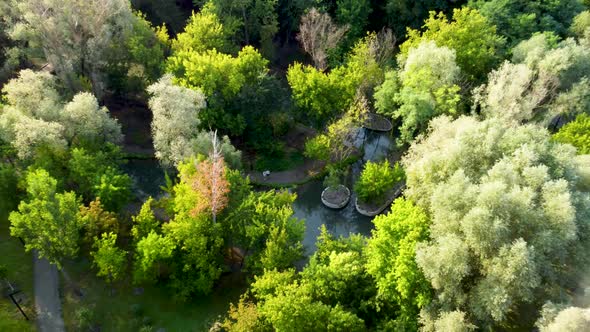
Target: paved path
{"type": "Point", "coordinates": [47, 300]}
{"type": "Point", "coordinates": [300, 174]}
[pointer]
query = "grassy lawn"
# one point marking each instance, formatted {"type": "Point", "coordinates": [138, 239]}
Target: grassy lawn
{"type": "Point", "coordinates": [20, 274]}
{"type": "Point", "coordinates": [117, 308]}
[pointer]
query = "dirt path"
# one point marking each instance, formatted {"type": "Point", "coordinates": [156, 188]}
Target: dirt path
{"type": "Point", "coordinates": [47, 300]}
{"type": "Point", "coordinates": [297, 175]}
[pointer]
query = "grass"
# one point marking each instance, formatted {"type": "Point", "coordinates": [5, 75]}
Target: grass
{"type": "Point", "coordinates": [117, 308]}
{"type": "Point", "coordinates": [20, 274]}
{"type": "Point", "coordinates": [285, 161]}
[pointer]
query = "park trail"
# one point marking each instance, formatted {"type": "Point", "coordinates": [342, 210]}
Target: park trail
{"type": "Point", "coordinates": [47, 299]}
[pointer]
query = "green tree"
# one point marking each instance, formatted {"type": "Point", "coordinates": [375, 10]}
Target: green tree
{"type": "Point", "coordinates": [391, 252]}
{"type": "Point", "coordinates": [401, 14]}
{"type": "Point", "coordinates": [427, 87]}
{"type": "Point", "coordinates": [150, 253]}
{"type": "Point", "coordinates": [508, 207]}
{"type": "Point", "coordinates": [477, 46]}
{"type": "Point", "coordinates": [376, 180]}
{"type": "Point", "coordinates": [220, 77]}
{"type": "Point", "coordinates": [263, 224]}
{"type": "Point", "coordinates": [356, 15]}
{"type": "Point", "coordinates": [94, 220]}
{"type": "Point", "coordinates": [520, 20]}
{"type": "Point", "coordinates": [576, 133]}
{"type": "Point", "coordinates": [47, 221]}
{"type": "Point", "coordinates": [144, 222]}
{"type": "Point", "coordinates": [108, 259]}
{"type": "Point", "coordinates": [581, 24]}
{"type": "Point", "coordinates": [204, 31]}
{"type": "Point", "coordinates": [251, 21]}
{"type": "Point", "coordinates": [113, 188]}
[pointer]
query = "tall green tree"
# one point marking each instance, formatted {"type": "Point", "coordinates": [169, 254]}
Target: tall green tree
{"type": "Point", "coordinates": [477, 46]}
{"type": "Point", "coordinates": [519, 20]}
{"type": "Point", "coordinates": [108, 259]}
{"type": "Point", "coordinates": [391, 260]}
{"type": "Point", "coordinates": [46, 220]}
{"type": "Point", "coordinates": [576, 133]}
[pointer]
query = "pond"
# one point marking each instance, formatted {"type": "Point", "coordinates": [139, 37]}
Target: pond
{"type": "Point", "coordinates": [148, 177]}
{"type": "Point", "coordinates": [308, 206]}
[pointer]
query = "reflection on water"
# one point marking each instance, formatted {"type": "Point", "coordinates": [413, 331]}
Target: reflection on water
{"type": "Point", "coordinates": [147, 176]}
{"type": "Point", "coordinates": [308, 206]}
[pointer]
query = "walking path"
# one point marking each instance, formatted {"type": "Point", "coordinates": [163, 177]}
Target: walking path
{"type": "Point", "coordinates": [298, 175]}
{"type": "Point", "coordinates": [47, 300]}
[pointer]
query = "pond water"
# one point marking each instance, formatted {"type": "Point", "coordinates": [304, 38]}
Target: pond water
{"type": "Point", "coordinates": [308, 206]}
{"type": "Point", "coordinates": [148, 177]}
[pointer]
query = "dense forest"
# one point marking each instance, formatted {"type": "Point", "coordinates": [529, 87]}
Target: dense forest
{"type": "Point", "coordinates": [479, 208]}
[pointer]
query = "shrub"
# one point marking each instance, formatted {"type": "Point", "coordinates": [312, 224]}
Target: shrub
{"type": "Point", "coordinates": [376, 179]}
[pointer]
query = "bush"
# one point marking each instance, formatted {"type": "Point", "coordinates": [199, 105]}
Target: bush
{"type": "Point", "coordinates": [335, 176]}
{"type": "Point", "coordinates": [86, 317]}
{"type": "Point", "coordinates": [376, 179]}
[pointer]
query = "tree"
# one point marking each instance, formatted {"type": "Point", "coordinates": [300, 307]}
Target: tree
{"type": "Point", "coordinates": [320, 95]}
{"type": "Point", "coordinates": [520, 20]}
{"type": "Point", "coordinates": [113, 188]}
{"type": "Point", "coordinates": [109, 259]}
{"type": "Point", "coordinates": [220, 77]}
{"type": "Point", "coordinates": [427, 87]}
{"type": "Point", "coordinates": [175, 120]}
{"type": "Point", "coordinates": [391, 261]}
{"type": "Point", "coordinates": [403, 14]}
{"type": "Point", "coordinates": [337, 143]}
{"type": "Point", "coordinates": [196, 263]}
{"type": "Point", "coordinates": [210, 184]}
{"type": "Point", "coordinates": [576, 133]}
{"type": "Point", "coordinates": [36, 118]}
{"type": "Point", "coordinates": [566, 319]}
{"type": "Point", "coordinates": [508, 207]}
{"type": "Point", "coordinates": [355, 14]}
{"type": "Point", "coordinates": [477, 46]}
{"type": "Point", "coordinates": [545, 79]}
{"type": "Point", "coordinates": [204, 31]}
{"type": "Point", "coordinates": [94, 220]}
{"type": "Point", "coordinates": [318, 35]}
{"type": "Point", "coordinates": [144, 222]}
{"type": "Point", "coordinates": [150, 252]}
{"type": "Point", "coordinates": [47, 221]}
{"type": "Point", "coordinates": [251, 21]}
{"type": "Point", "coordinates": [581, 24]}
{"type": "Point", "coordinates": [376, 180]}
{"type": "Point", "coordinates": [263, 224]}
{"type": "Point", "coordinates": [74, 36]}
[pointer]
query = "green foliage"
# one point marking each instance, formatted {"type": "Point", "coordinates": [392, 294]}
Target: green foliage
{"type": "Point", "coordinates": [9, 197]}
{"type": "Point", "coordinates": [94, 220]}
{"type": "Point", "coordinates": [508, 207]}
{"type": "Point", "coordinates": [355, 13]}
{"type": "Point", "coordinates": [108, 259]}
{"type": "Point", "coordinates": [519, 20]}
{"type": "Point", "coordinates": [471, 35]}
{"type": "Point", "coordinates": [47, 221]}
{"type": "Point", "coordinates": [150, 252]}
{"type": "Point", "coordinates": [220, 77]}
{"type": "Point", "coordinates": [391, 261]}
{"type": "Point", "coordinates": [251, 21]}
{"type": "Point", "coordinates": [376, 180]}
{"type": "Point", "coordinates": [204, 31]}
{"type": "Point", "coordinates": [427, 87]}
{"type": "Point", "coordinates": [113, 188]}
{"type": "Point", "coordinates": [263, 224]}
{"type": "Point", "coordinates": [581, 24]}
{"type": "Point", "coordinates": [144, 222]}
{"type": "Point", "coordinates": [576, 133]}
{"type": "Point", "coordinates": [404, 14]}
{"type": "Point", "coordinates": [96, 175]}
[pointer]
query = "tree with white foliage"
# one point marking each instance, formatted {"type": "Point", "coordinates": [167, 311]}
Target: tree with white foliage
{"type": "Point", "coordinates": [509, 209]}
{"type": "Point", "coordinates": [546, 78]}
{"type": "Point", "coordinates": [175, 120]}
{"type": "Point", "coordinates": [35, 116]}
